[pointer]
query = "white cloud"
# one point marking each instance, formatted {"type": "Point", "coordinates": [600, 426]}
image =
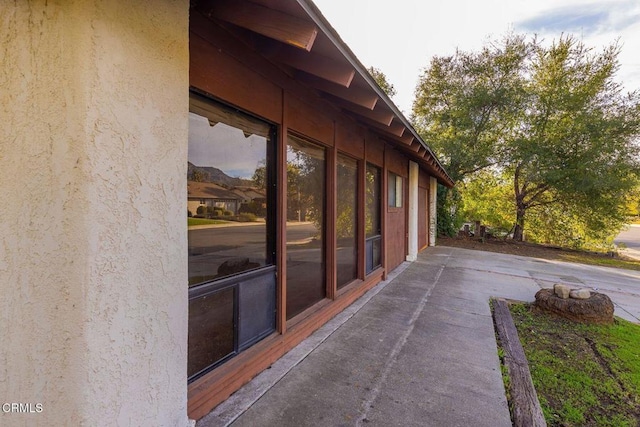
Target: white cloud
{"type": "Point", "coordinates": [401, 37]}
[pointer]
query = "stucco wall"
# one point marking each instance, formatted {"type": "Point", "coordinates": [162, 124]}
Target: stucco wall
{"type": "Point", "coordinates": [93, 304]}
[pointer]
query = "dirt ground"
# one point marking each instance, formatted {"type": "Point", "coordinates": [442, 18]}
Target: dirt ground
{"type": "Point", "coordinates": [530, 250]}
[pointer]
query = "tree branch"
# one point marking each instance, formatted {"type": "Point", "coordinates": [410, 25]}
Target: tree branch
{"type": "Point", "coordinates": [547, 202]}
{"type": "Point", "coordinates": [476, 169]}
{"type": "Point", "coordinates": [539, 190]}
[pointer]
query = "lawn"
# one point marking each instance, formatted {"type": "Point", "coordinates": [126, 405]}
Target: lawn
{"type": "Point", "coordinates": [585, 375]}
{"type": "Point", "coordinates": [203, 221]}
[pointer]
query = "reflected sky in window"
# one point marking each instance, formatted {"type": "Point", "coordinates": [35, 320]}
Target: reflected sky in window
{"type": "Point", "coordinates": [237, 163]}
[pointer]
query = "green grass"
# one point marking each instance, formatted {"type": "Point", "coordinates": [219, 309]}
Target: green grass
{"type": "Point", "coordinates": [585, 258]}
{"type": "Point", "coordinates": [203, 221]}
{"type": "Point", "coordinates": [585, 375]}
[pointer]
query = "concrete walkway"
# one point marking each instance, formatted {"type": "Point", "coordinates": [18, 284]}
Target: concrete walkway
{"type": "Point", "coordinates": [417, 350]}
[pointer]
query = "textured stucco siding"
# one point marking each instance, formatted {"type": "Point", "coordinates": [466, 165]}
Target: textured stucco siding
{"type": "Point", "coordinates": [93, 268]}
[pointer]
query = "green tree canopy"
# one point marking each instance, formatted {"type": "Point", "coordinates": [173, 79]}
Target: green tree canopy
{"type": "Point", "coordinates": [548, 118]}
{"type": "Point", "coordinates": [382, 81]}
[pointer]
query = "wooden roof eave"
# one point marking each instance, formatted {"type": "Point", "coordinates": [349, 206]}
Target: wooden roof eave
{"type": "Point", "coordinates": [314, 13]}
{"type": "Point", "coordinates": [330, 71]}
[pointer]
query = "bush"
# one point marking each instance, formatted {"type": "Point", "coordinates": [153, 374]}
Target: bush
{"type": "Point", "coordinates": [254, 208]}
{"type": "Point", "coordinates": [247, 217]}
{"type": "Point", "coordinates": [448, 211]}
{"type": "Point", "coordinates": [214, 211]}
{"type": "Point", "coordinates": [202, 210]}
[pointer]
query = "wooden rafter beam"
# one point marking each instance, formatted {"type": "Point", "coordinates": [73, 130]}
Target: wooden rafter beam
{"type": "Point", "coordinates": [395, 129]}
{"type": "Point", "coordinates": [362, 97]}
{"type": "Point", "coordinates": [384, 117]}
{"type": "Point", "coordinates": [263, 20]}
{"type": "Point", "coordinates": [407, 138]}
{"type": "Point", "coordinates": [415, 146]}
{"type": "Point", "coordinates": [320, 66]}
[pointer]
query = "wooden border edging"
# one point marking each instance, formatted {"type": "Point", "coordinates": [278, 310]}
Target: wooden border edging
{"type": "Point", "coordinates": [526, 407]}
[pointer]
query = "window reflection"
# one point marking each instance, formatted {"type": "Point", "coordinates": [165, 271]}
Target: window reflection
{"type": "Point", "coordinates": [373, 229]}
{"type": "Point", "coordinates": [227, 192]}
{"type": "Point", "coordinates": [305, 225]}
{"type": "Point", "coordinates": [395, 190]}
{"type": "Point", "coordinates": [346, 229]}
{"type": "Point", "coordinates": [230, 231]}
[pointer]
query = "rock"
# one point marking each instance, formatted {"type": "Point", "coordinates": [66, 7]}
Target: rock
{"type": "Point", "coordinates": [598, 308]}
{"type": "Point", "coordinates": [237, 265]}
{"type": "Point", "coordinates": [561, 290]}
{"type": "Point", "coordinates": [580, 294]}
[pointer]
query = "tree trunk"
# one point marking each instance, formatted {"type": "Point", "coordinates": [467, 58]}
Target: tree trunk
{"type": "Point", "coordinates": [518, 231]}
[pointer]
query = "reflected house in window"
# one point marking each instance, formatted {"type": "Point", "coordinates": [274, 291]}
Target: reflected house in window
{"type": "Point", "coordinates": [209, 200]}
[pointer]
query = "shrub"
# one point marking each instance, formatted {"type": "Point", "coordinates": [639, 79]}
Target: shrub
{"type": "Point", "coordinates": [247, 217]}
{"type": "Point", "coordinates": [252, 207]}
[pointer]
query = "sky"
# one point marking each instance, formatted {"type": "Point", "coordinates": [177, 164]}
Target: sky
{"type": "Point", "coordinates": [401, 36]}
{"type": "Point", "coordinates": [234, 153]}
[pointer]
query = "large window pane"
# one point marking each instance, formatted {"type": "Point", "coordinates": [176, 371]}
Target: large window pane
{"type": "Point", "coordinates": [373, 228]}
{"type": "Point", "coordinates": [346, 229]}
{"type": "Point", "coordinates": [305, 225]}
{"type": "Point", "coordinates": [231, 233]}
{"type": "Point", "coordinates": [227, 192]}
{"type": "Point", "coordinates": [211, 330]}
{"type": "Point", "coordinates": [372, 215]}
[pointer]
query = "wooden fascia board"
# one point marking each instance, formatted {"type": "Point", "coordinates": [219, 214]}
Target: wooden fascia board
{"type": "Point", "coordinates": [362, 97]}
{"type": "Point", "coordinates": [268, 22]}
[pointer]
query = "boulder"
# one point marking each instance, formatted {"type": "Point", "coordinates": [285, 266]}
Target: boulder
{"type": "Point", "coordinates": [598, 308]}
{"type": "Point", "coordinates": [580, 294]}
{"type": "Point", "coordinates": [562, 291]}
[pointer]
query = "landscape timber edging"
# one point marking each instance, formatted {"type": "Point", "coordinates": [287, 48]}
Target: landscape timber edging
{"type": "Point", "coordinates": [524, 399]}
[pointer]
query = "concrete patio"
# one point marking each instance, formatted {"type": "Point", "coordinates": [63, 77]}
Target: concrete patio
{"type": "Point", "coordinates": [417, 350]}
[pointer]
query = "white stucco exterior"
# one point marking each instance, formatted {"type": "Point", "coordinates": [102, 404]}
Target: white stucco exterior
{"type": "Point", "coordinates": [93, 245]}
{"type": "Point", "coordinates": [414, 176]}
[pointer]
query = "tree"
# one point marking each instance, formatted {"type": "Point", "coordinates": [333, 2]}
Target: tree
{"type": "Point", "coordinates": [382, 81]}
{"type": "Point", "coordinates": [550, 119]}
{"type": "Point", "coordinates": [198, 175]}
{"type": "Point", "coordinates": [487, 198]}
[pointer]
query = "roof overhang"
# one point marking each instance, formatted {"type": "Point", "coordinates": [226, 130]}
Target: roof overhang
{"type": "Point", "coordinates": [296, 37]}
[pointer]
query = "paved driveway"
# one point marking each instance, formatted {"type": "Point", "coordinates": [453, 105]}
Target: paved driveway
{"type": "Point", "coordinates": [629, 239]}
{"type": "Point", "coordinates": [417, 350]}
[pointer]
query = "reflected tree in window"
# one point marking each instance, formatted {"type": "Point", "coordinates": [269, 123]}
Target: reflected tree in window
{"type": "Point", "coordinates": [346, 221]}
{"type": "Point", "coordinates": [305, 225]}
